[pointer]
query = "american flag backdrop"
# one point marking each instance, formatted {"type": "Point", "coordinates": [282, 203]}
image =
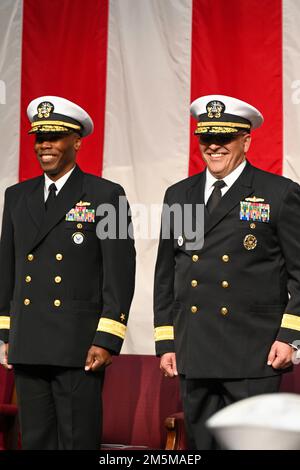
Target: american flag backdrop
{"type": "Point", "coordinates": [135, 66]}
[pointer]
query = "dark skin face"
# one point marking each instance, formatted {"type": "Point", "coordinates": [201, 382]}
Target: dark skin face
{"type": "Point", "coordinates": [56, 152]}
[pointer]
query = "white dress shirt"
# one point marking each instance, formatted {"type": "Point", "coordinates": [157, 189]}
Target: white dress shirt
{"type": "Point", "coordinates": [58, 183]}
{"type": "Point", "coordinates": [228, 180]}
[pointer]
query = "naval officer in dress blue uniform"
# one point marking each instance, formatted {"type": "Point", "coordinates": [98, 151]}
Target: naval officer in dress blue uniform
{"type": "Point", "coordinates": [227, 314]}
{"type": "Point", "coordinates": [65, 289]}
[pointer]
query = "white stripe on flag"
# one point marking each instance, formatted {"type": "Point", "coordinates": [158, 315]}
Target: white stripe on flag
{"type": "Point", "coordinates": [291, 89]}
{"type": "Point", "coordinates": [10, 73]}
{"type": "Point", "coordinates": [10, 76]}
{"type": "Point", "coordinates": [147, 123]}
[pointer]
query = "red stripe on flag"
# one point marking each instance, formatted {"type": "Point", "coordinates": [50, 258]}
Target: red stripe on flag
{"type": "Point", "coordinates": [64, 53]}
{"type": "Point", "coordinates": [237, 51]}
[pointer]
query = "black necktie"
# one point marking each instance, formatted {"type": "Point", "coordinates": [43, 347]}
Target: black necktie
{"type": "Point", "coordinates": [215, 196]}
{"type": "Point", "coordinates": [50, 201]}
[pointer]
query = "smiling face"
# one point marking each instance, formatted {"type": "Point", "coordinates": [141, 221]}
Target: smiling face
{"type": "Point", "coordinates": [223, 158]}
{"type": "Point", "coordinates": [56, 152]}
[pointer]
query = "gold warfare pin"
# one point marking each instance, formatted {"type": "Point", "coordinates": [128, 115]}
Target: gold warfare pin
{"type": "Point", "coordinates": [254, 199]}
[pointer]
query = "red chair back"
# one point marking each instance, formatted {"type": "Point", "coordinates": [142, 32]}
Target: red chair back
{"type": "Point", "coordinates": [6, 391]}
{"type": "Point", "coordinates": [136, 400]}
{"type": "Point", "coordinates": [6, 385]}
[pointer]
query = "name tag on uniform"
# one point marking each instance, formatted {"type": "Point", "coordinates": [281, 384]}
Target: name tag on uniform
{"type": "Point", "coordinates": [254, 210]}
{"type": "Point", "coordinates": [81, 213]}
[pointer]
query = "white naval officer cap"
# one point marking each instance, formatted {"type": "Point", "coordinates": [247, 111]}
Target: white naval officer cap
{"type": "Point", "coordinates": [264, 422]}
{"type": "Point", "coordinates": [50, 114]}
{"type": "Point", "coordinates": [220, 114]}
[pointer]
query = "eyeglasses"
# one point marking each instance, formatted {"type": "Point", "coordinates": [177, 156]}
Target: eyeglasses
{"type": "Point", "coordinates": [218, 139]}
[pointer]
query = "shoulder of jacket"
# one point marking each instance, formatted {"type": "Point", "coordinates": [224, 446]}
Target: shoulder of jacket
{"type": "Point", "coordinates": [102, 183]}
{"type": "Point", "coordinates": [282, 182]}
{"type": "Point", "coordinates": [184, 184]}
{"type": "Point", "coordinates": [23, 186]}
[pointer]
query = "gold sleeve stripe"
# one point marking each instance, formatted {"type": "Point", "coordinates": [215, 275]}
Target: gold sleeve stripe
{"type": "Point", "coordinates": [4, 323]}
{"type": "Point", "coordinates": [290, 321]}
{"type": "Point", "coordinates": [164, 333]}
{"type": "Point", "coordinates": [111, 326]}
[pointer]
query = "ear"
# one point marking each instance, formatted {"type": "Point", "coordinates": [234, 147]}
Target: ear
{"type": "Point", "coordinates": [247, 143]}
{"type": "Point", "coordinates": [77, 143]}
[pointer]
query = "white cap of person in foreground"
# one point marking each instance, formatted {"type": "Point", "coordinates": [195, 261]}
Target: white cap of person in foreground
{"type": "Point", "coordinates": [265, 422]}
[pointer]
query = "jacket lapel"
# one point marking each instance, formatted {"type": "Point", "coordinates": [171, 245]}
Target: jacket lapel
{"type": "Point", "coordinates": [241, 188]}
{"type": "Point", "coordinates": [195, 194]}
{"type": "Point", "coordinates": [70, 194]}
{"type": "Point", "coordinates": [35, 202]}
